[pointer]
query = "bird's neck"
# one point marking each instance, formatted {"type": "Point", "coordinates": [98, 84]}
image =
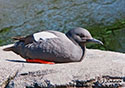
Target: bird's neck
{"type": "Point", "coordinates": [69, 35]}
{"type": "Point", "coordinates": [83, 52]}
{"type": "Point", "coordinates": [83, 47]}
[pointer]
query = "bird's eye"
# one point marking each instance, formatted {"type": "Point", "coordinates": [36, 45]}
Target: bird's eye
{"type": "Point", "coordinates": [80, 35]}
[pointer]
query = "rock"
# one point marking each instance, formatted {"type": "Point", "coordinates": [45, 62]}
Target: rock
{"type": "Point", "coordinates": [16, 73]}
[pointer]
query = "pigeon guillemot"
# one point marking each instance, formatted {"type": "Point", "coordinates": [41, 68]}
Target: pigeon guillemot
{"type": "Point", "coordinates": [51, 47]}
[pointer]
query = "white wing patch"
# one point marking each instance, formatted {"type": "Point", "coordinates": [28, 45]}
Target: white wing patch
{"type": "Point", "coordinates": [43, 35]}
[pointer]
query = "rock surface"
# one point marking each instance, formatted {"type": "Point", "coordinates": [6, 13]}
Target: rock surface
{"type": "Point", "coordinates": [16, 73]}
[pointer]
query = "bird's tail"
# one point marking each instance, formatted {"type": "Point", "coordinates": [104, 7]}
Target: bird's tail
{"type": "Point", "coordinates": [9, 48]}
{"type": "Point", "coordinates": [21, 38]}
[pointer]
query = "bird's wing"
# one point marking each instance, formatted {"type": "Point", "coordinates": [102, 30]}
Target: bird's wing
{"type": "Point", "coordinates": [49, 50]}
{"type": "Point", "coordinates": [28, 39]}
{"type": "Point", "coordinates": [18, 38]}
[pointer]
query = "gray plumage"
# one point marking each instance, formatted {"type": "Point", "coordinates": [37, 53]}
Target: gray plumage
{"type": "Point", "coordinates": [61, 49]}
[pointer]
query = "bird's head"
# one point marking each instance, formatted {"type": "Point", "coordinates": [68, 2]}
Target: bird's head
{"type": "Point", "coordinates": [81, 36]}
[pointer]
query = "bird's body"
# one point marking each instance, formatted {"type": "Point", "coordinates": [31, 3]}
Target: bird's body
{"type": "Point", "coordinates": [52, 46]}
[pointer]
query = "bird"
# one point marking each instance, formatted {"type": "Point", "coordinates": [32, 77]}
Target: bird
{"type": "Point", "coordinates": [51, 47]}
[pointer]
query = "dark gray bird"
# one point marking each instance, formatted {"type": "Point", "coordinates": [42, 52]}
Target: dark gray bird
{"type": "Point", "coordinates": [51, 47]}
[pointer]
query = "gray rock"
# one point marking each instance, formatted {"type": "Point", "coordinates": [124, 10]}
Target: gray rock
{"type": "Point", "coordinates": [16, 73]}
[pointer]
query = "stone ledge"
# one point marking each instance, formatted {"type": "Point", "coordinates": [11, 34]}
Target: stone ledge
{"type": "Point", "coordinates": [16, 73]}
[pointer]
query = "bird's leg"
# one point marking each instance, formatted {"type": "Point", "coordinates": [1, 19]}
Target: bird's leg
{"type": "Point", "coordinates": [39, 61]}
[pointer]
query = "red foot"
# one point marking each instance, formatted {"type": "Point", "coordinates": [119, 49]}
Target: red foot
{"type": "Point", "coordinates": [39, 61]}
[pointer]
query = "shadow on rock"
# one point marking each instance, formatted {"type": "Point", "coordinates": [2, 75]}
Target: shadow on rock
{"type": "Point", "coordinates": [20, 61]}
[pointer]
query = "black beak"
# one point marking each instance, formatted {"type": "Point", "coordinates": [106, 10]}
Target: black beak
{"type": "Point", "coordinates": [95, 41]}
